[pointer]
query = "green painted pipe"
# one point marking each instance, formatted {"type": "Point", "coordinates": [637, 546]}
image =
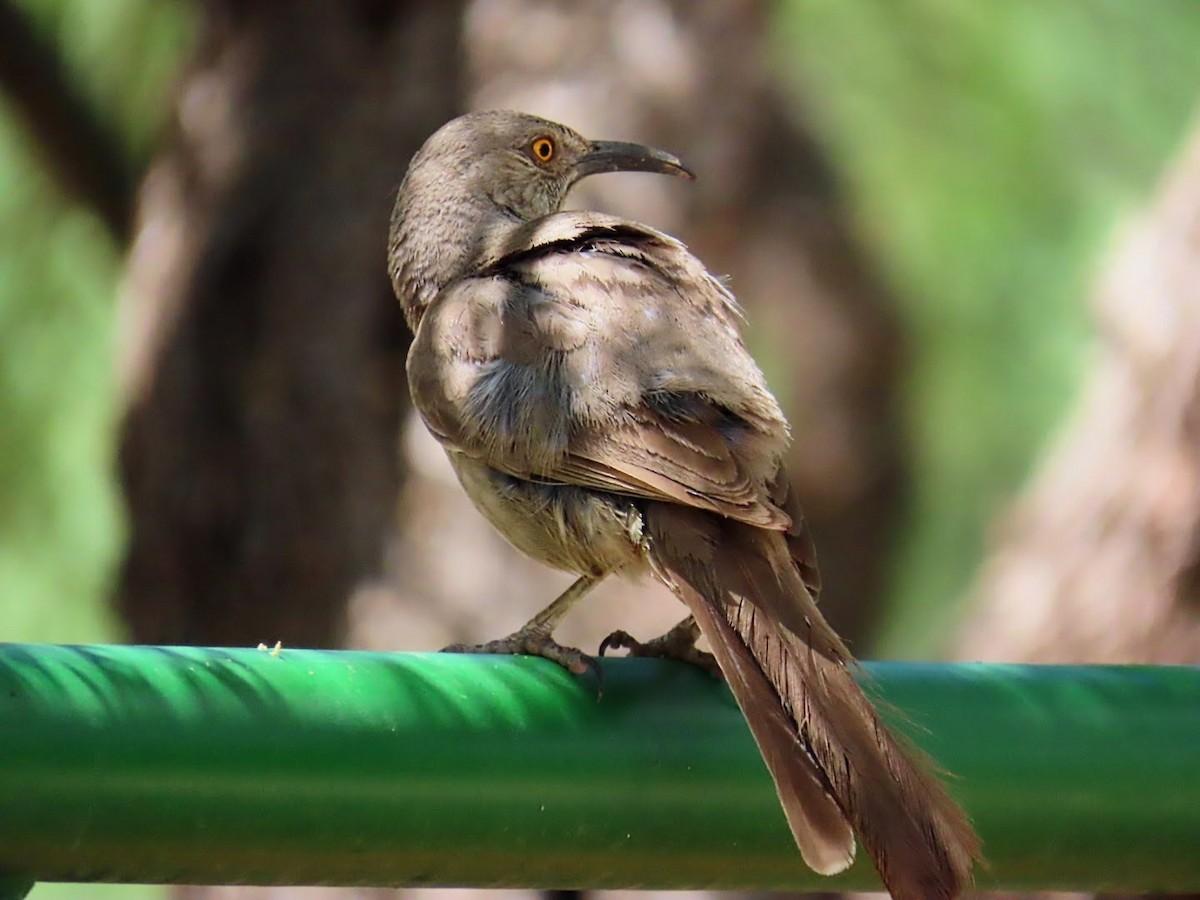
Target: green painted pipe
{"type": "Point", "coordinates": [158, 764]}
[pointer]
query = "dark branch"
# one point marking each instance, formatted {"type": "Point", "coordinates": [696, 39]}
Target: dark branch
{"type": "Point", "coordinates": [83, 155]}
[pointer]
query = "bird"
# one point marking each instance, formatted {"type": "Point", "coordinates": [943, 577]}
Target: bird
{"type": "Point", "coordinates": [588, 379]}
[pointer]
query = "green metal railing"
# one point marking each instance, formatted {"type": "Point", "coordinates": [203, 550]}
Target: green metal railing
{"type": "Point", "coordinates": [159, 764]}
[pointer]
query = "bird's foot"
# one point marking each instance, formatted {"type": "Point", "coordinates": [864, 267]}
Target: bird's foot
{"type": "Point", "coordinates": [534, 642]}
{"type": "Point", "coordinates": [678, 643]}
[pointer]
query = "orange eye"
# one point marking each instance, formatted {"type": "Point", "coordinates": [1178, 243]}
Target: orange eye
{"type": "Point", "coordinates": [542, 149]}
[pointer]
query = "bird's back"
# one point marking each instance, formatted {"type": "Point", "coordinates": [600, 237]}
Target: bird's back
{"type": "Point", "coordinates": [582, 320]}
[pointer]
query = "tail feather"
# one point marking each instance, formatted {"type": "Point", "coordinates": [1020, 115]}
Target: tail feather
{"type": "Point", "coordinates": [835, 764]}
{"type": "Point", "coordinates": [822, 833]}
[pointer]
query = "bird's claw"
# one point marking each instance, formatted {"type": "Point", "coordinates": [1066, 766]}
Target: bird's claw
{"type": "Point", "coordinates": [532, 642]}
{"type": "Point", "coordinates": [678, 643]}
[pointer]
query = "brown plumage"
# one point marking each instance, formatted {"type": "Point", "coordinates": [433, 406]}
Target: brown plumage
{"type": "Point", "coordinates": [588, 379]}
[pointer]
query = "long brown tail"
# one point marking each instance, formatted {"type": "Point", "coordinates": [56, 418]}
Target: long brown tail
{"type": "Point", "coordinates": [836, 765]}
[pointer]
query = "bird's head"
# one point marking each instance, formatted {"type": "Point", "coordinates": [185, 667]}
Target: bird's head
{"type": "Point", "coordinates": [483, 175]}
{"type": "Point", "coordinates": [525, 165]}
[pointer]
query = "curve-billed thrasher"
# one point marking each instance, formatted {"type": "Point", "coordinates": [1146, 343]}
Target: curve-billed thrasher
{"type": "Point", "coordinates": [587, 378]}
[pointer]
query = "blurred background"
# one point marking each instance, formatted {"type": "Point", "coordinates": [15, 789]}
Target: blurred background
{"type": "Point", "coordinates": [967, 237]}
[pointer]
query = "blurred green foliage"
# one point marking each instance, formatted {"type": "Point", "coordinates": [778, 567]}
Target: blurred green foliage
{"type": "Point", "coordinates": [989, 149]}
{"type": "Point", "coordinates": [60, 523]}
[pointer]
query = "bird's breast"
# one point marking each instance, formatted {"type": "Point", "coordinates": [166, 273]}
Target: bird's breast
{"type": "Point", "coordinates": [581, 531]}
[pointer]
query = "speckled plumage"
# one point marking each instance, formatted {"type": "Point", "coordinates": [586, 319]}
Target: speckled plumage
{"type": "Point", "coordinates": [588, 379]}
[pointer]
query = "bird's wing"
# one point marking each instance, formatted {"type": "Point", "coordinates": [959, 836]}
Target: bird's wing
{"type": "Point", "coordinates": [599, 353]}
{"type": "Point", "coordinates": [661, 458]}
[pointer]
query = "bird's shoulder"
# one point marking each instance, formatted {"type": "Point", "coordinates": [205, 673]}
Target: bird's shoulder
{"type": "Point", "coordinates": [589, 256]}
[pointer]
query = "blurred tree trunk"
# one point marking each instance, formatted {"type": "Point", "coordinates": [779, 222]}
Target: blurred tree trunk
{"type": "Point", "coordinates": [1100, 559]}
{"type": "Point", "coordinates": [692, 77]}
{"type": "Point", "coordinates": [1099, 562]}
{"type": "Point", "coordinates": [262, 350]}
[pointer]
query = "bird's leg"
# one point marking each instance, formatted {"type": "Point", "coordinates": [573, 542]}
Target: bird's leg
{"type": "Point", "coordinates": [678, 643]}
{"type": "Point", "coordinates": [535, 638]}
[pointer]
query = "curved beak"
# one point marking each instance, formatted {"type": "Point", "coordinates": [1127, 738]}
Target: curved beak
{"type": "Point", "coordinates": [619, 156]}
